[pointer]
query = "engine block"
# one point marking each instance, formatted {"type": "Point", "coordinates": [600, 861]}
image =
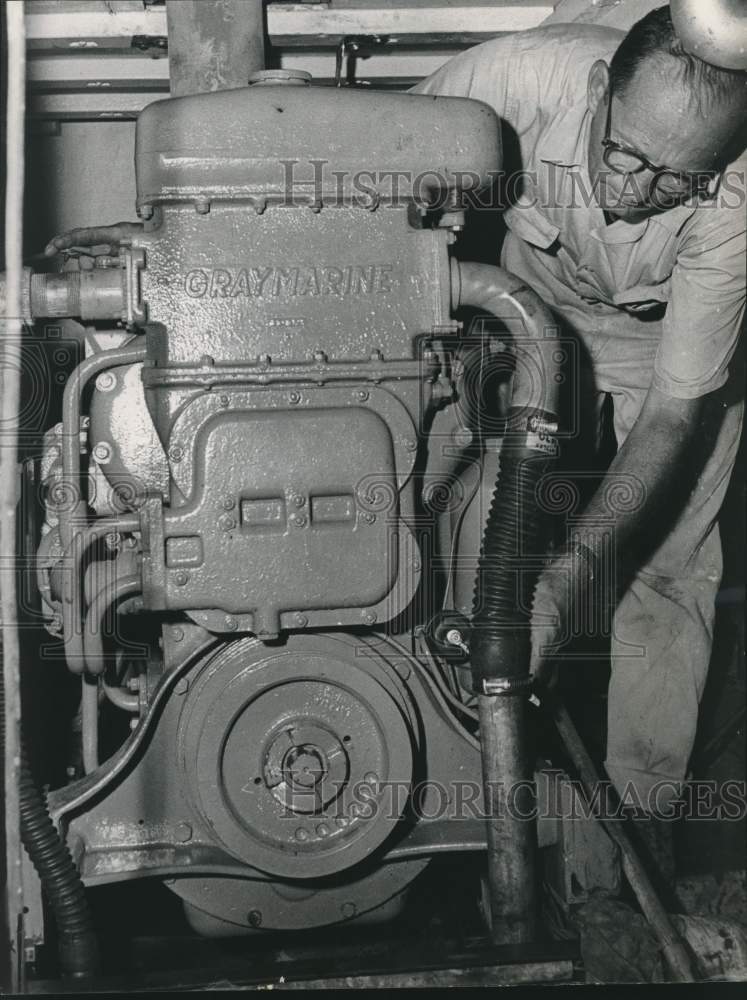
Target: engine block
{"type": "Point", "coordinates": [290, 314]}
{"type": "Point", "coordinates": [278, 490]}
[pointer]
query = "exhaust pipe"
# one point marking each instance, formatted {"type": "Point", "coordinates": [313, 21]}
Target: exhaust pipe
{"type": "Point", "coordinates": [507, 576]}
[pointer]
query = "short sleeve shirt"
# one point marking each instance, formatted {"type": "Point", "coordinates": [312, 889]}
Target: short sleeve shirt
{"type": "Point", "coordinates": [608, 282]}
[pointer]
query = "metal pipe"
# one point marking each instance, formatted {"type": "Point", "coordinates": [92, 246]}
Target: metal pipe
{"type": "Point", "coordinates": [214, 46]}
{"type": "Point", "coordinates": [483, 286]}
{"type": "Point", "coordinates": [89, 707]}
{"type": "Point", "coordinates": [93, 636]}
{"type": "Point", "coordinates": [671, 943]}
{"type": "Point", "coordinates": [72, 597]}
{"type": "Point", "coordinates": [96, 294]}
{"type": "Point", "coordinates": [128, 701]}
{"type": "Point", "coordinates": [510, 805]}
{"type": "Point", "coordinates": [499, 642]}
{"type": "Point", "coordinates": [10, 393]}
{"type": "Point", "coordinates": [72, 514]}
{"type": "Point", "coordinates": [130, 354]}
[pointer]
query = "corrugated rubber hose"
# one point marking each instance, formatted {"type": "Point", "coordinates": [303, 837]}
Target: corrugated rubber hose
{"type": "Point", "coordinates": [509, 563]}
{"type": "Point", "coordinates": [78, 946]}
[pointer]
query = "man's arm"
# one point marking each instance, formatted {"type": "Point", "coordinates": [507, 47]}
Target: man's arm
{"type": "Point", "coordinates": [655, 454]}
{"type": "Point", "coordinates": [650, 466]}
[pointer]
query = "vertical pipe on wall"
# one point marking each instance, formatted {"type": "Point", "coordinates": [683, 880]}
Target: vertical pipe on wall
{"type": "Point", "coordinates": [214, 46]}
{"type": "Point", "coordinates": [10, 386]}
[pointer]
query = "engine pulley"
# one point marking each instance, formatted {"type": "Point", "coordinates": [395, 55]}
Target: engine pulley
{"type": "Point", "coordinates": [297, 754]}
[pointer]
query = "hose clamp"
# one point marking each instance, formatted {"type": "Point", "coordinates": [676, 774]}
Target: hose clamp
{"type": "Point", "coordinates": [493, 686]}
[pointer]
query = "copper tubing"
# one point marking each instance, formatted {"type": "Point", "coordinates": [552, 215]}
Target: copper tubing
{"type": "Point", "coordinates": [72, 514]}
{"type": "Point", "coordinates": [107, 597]}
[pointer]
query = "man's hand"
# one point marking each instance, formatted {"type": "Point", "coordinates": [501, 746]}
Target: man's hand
{"type": "Point", "coordinates": [95, 241]}
{"type": "Point", "coordinates": [563, 592]}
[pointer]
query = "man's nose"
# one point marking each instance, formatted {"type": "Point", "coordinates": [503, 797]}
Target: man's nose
{"type": "Point", "coordinates": [640, 185]}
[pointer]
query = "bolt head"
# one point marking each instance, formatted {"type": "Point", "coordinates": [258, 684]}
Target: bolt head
{"type": "Point", "coordinates": [230, 623]}
{"type": "Point", "coordinates": [254, 918]}
{"type": "Point", "coordinates": [181, 578]}
{"type": "Point", "coordinates": [183, 833]}
{"type": "Point", "coordinates": [102, 452]}
{"type": "Point", "coordinates": [181, 686]}
{"type": "Point", "coordinates": [176, 453]}
{"type": "Point", "coordinates": [348, 910]}
{"type": "Point", "coordinates": [106, 381]}
{"type": "Point", "coordinates": [226, 522]}
{"type": "Point", "coordinates": [113, 540]}
{"type": "Point", "coordinates": [454, 637]}
{"type": "Point", "coordinates": [177, 634]}
{"type": "Point", "coordinates": [295, 397]}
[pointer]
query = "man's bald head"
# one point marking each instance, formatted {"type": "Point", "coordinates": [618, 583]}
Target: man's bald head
{"type": "Point", "coordinates": [669, 107]}
{"type": "Point", "coordinates": [651, 55]}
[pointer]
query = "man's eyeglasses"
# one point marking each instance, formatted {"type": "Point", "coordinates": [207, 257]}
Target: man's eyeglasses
{"type": "Point", "coordinates": [668, 185]}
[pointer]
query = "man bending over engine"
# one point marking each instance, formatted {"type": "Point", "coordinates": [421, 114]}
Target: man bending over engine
{"type": "Point", "coordinates": [648, 273]}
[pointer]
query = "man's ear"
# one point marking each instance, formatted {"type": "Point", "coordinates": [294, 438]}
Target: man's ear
{"type": "Point", "coordinates": [597, 85]}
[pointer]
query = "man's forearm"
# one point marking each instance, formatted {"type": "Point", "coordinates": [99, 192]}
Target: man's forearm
{"type": "Point", "coordinates": [644, 479]}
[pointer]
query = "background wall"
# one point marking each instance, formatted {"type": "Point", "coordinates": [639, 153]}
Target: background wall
{"type": "Point", "coordinates": [78, 174]}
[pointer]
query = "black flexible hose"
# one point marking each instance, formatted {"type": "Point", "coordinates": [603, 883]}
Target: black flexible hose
{"type": "Point", "coordinates": [508, 570]}
{"type": "Point", "coordinates": [510, 557]}
{"type": "Point", "coordinates": [78, 946]}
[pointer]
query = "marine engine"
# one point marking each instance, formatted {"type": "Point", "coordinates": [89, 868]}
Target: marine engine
{"type": "Point", "coordinates": [265, 502]}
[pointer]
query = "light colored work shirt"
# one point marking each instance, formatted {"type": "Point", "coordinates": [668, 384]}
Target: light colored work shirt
{"type": "Point", "coordinates": [606, 280]}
